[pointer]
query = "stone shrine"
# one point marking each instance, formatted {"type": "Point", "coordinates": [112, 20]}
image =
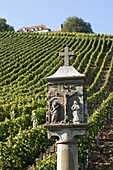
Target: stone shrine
{"type": "Point", "coordinates": [67, 112]}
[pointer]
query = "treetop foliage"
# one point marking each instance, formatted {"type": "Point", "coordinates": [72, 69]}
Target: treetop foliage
{"type": "Point", "coordinates": [4, 26]}
{"type": "Point", "coordinates": [75, 24]}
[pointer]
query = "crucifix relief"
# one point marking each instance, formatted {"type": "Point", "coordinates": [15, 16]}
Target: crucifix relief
{"type": "Point", "coordinates": [66, 54]}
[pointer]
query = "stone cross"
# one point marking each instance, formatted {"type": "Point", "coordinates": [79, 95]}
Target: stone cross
{"type": "Point", "coordinates": [66, 54]}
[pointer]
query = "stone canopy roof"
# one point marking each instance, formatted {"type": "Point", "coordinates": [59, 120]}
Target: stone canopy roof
{"type": "Point", "coordinates": [66, 73]}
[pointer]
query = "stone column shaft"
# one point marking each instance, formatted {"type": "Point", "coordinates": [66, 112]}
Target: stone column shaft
{"type": "Point", "coordinates": [67, 156]}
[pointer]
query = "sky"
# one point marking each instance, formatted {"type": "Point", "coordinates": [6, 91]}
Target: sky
{"type": "Point", "coordinates": [52, 13]}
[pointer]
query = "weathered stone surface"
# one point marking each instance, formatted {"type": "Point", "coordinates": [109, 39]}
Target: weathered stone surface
{"type": "Point", "coordinates": [66, 133]}
{"type": "Point", "coordinates": [67, 150]}
{"type": "Point", "coordinates": [66, 87]}
{"type": "Point", "coordinates": [67, 155]}
{"type": "Point", "coordinates": [62, 97]}
{"type": "Point", "coordinates": [64, 73]}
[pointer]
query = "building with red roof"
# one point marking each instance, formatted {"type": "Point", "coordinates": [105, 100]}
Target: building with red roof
{"type": "Point", "coordinates": [40, 28]}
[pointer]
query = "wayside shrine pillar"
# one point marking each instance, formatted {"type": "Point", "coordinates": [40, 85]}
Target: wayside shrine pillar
{"type": "Point", "coordinates": [67, 112]}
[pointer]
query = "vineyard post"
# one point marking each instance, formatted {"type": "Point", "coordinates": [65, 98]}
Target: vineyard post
{"type": "Point", "coordinates": [67, 112]}
{"type": "Point", "coordinates": [34, 120]}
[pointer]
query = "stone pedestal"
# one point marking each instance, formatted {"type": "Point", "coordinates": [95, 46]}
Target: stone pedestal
{"type": "Point", "coordinates": [67, 149]}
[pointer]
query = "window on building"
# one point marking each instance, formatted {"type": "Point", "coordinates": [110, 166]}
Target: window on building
{"type": "Point", "coordinates": [40, 28]}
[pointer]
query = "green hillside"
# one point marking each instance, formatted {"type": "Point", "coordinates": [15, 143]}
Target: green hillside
{"type": "Point", "coordinates": [25, 60]}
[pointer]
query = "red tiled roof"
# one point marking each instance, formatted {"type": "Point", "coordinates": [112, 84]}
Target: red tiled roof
{"type": "Point", "coordinates": [30, 28]}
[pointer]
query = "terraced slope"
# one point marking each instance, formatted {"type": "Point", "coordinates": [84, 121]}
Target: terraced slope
{"type": "Point", "coordinates": [25, 60]}
{"type": "Point", "coordinates": [101, 156]}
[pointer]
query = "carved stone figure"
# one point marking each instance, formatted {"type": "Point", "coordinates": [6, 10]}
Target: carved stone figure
{"type": "Point", "coordinates": [75, 112]}
{"type": "Point", "coordinates": [54, 112]}
{"type": "Point", "coordinates": [67, 94]}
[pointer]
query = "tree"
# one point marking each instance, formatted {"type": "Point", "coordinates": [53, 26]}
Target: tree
{"type": "Point", "coordinates": [4, 26]}
{"type": "Point", "coordinates": [75, 24]}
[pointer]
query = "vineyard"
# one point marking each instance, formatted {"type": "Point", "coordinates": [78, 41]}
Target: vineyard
{"type": "Point", "coordinates": [25, 60]}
